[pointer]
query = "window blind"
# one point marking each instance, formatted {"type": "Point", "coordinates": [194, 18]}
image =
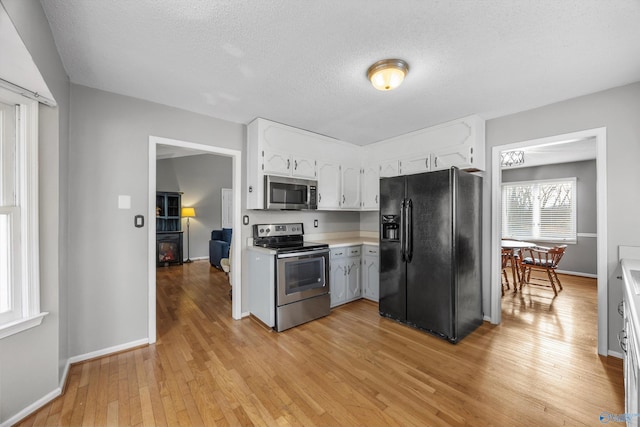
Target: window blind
{"type": "Point", "coordinates": [540, 210]}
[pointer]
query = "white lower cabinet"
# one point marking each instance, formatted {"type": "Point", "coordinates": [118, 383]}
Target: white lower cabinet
{"type": "Point", "coordinates": [354, 274]}
{"type": "Point", "coordinates": [338, 285]}
{"type": "Point", "coordinates": [629, 344]}
{"type": "Point", "coordinates": [370, 273]}
{"type": "Point", "coordinates": [345, 275]}
{"type": "Point", "coordinates": [262, 300]}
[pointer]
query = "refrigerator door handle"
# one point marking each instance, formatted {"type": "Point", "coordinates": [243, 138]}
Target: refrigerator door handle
{"type": "Point", "coordinates": [409, 228]}
{"type": "Point", "coordinates": [402, 226]}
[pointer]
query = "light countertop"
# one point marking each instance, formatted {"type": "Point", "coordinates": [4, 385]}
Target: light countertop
{"type": "Point", "coordinates": [348, 241]}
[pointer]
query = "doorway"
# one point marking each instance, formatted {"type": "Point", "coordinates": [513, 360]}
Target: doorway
{"type": "Point", "coordinates": [235, 274]}
{"type": "Point", "coordinates": [599, 135]}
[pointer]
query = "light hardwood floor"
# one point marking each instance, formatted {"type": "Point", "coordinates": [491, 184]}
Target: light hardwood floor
{"type": "Point", "coordinates": [539, 367]}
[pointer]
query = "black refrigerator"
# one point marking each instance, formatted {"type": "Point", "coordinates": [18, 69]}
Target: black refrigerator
{"type": "Point", "coordinates": [430, 251]}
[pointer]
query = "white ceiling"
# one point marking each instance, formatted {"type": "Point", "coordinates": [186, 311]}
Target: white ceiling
{"type": "Point", "coordinates": [304, 63]}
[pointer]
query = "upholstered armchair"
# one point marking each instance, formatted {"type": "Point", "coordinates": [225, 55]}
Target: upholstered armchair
{"type": "Point", "coordinates": [219, 246]}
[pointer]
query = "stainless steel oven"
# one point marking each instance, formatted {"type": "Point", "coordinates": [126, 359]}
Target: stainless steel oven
{"type": "Point", "coordinates": [302, 274]}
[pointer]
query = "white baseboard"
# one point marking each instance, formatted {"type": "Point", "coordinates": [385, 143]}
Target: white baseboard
{"type": "Point", "coordinates": [109, 350]}
{"type": "Point", "coordinates": [58, 391]}
{"type": "Point", "coordinates": [576, 273]}
{"type": "Point", "coordinates": [33, 407]}
{"type": "Point", "coordinates": [615, 354]}
{"type": "Point", "coordinates": [197, 258]}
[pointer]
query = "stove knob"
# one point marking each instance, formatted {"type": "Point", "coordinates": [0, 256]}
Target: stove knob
{"type": "Point", "coordinates": [262, 230]}
{"type": "Point", "coordinates": [293, 229]}
{"type": "Point", "coordinates": [268, 230]}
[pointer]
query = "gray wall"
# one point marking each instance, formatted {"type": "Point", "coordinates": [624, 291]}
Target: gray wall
{"type": "Point", "coordinates": [581, 257]}
{"type": "Point", "coordinates": [109, 143]}
{"type": "Point", "coordinates": [616, 109]}
{"type": "Point", "coordinates": [31, 361]}
{"type": "Point", "coordinates": [200, 178]}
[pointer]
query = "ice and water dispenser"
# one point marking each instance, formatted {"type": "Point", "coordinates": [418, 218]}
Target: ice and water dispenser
{"type": "Point", "coordinates": [390, 227]}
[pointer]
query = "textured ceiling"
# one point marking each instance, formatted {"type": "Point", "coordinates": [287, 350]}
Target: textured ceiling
{"type": "Point", "coordinates": [304, 63]}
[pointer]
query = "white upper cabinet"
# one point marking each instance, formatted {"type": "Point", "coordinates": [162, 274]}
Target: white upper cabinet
{"type": "Point", "coordinates": [389, 168]}
{"type": "Point", "coordinates": [370, 187]}
{"type": "Point", "coordinates": [347, 174]}
{"type": "Point", "coordinates": [277, 163]}
{"type": "Point", "coordinates": [304, 167]}
{"type": "Point", "coordinates": [418, 164]}
{"type": "Point", "coordinates": [459, 143]}
{"type": "Point", "coordinates": [329, 194]}
{"type": "Point", "coordinates": [285, 164]}
{"type": "Point", "coordinates": [350, 187]}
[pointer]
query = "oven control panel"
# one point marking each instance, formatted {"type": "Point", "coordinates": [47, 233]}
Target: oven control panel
{"type": "Point", "coordinates": [270, 230]}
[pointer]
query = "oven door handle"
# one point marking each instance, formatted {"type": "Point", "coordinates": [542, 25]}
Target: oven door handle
{"type": "Point", "coordinates": [305, 254]}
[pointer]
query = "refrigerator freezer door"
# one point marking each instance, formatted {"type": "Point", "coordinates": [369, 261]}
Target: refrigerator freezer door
{"type": "Point", "coordinates": [430, 272]}
{"type": "Point", "coordinates": [393, 297]}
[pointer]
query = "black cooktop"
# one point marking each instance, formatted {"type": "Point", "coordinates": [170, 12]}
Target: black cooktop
{"type": "Point", "coordinates": [284, 238]}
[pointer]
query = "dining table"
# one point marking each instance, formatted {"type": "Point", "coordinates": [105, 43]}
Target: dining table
{"type": "Point", "coordinates": [514, 247]}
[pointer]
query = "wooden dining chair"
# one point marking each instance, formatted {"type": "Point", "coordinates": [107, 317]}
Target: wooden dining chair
{"type": "Point", "coordinates": [506, 256]}
{"type": "Point", "coordinates": [545, 260]}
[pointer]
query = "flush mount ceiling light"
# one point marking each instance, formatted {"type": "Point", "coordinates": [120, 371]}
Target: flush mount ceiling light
{"type": "Point", "coordinates": [511, 158]}
{"type": "Point", "coordinates": [387, 74]}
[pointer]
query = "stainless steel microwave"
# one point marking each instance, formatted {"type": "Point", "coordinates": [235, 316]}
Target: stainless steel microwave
{"type": "Point", "coordinates": [289, 193]}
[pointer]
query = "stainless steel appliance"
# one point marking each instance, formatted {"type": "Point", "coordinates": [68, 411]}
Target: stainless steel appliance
{"type": "Point", "coordinates": [302, 273]}
{"type": "Point", "coordinates": [430, 251]}
{"type": "Point", "coordinates": [289, 193]}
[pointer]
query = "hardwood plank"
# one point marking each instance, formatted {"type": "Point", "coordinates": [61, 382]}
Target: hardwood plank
{"type": "Point", "coordinates": [353, 367]}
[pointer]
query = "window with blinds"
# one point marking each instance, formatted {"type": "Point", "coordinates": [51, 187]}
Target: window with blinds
{"type": "Point", "coordinates": [540, 210]}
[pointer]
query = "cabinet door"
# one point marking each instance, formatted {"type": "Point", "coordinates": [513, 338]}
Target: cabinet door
{"type": "Point", "coordinates": [370, 187]}
{"type": "Point", "coordinates": [418, 165]}
{"type": "Point", "coordinates": [304, 167]}
{"type": "Point", "coordinates": [328, 185]}
{"type": "Point", "coordinates": [353, 279]}
{"type": "Point", "coordinates": [276, 162]}
{"type": "Point", "coordinates": [370, 278]}
{"type": "Point", "coordinates": [461, 157]}
{"type": "Point", "coordinates": [338, 285]}
{"type": "Point", "coordinates": [389, 169]}
{"type": "Point", "coordinates": [350, 187]}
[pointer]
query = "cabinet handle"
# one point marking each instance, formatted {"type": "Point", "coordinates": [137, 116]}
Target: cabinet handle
{"type": "Point", "coordinates": [426, 163]}
{"type": "Point", "coordinates": [435, 162]}
{"type": "Point", "coordinates": [621, 308]}
{"type": "Point", "coordinates": [319, 197]}
{"type": "Point", "coordinates": [295, 165]}
{"type": "Point", "coordinates": [376, 199]}
{"type": "Point", "coordinates": [288, 164]}
{"type": "Point", "coordinates": [622, 340]}
{"type": "Point", "coordinates": [343, 199]}
{"type": "Point", "coordinates": [338, 253]}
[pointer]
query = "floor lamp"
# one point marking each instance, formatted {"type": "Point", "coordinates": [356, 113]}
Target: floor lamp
{"type": "Point", "coordinates": [188, 213]}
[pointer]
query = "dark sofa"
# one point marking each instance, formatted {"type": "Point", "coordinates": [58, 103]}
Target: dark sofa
{"type": "Point", "coordinates": [219, 246]}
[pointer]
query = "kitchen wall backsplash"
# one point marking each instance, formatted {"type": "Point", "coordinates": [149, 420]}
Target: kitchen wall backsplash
{"type": "Point", "coordinates": [328, 221]}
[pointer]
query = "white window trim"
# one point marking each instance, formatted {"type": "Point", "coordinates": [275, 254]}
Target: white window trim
{"type": "Point", "coordinates": [29, 249]}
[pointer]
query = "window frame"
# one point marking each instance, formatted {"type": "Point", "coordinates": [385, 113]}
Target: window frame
{"type": "Point", "coordinates": [28, 314]}
{"type": "Point", "coordinates": [537, 214]}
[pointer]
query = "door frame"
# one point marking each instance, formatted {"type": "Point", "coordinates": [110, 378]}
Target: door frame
{"type": "Point", "coordinates": [235, 273]}
{"type": "Point", "coordinates": [600, 135]}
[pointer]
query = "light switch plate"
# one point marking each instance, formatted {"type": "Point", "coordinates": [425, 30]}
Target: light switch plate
{"type": "Point", "coordinates": [124, 202]}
